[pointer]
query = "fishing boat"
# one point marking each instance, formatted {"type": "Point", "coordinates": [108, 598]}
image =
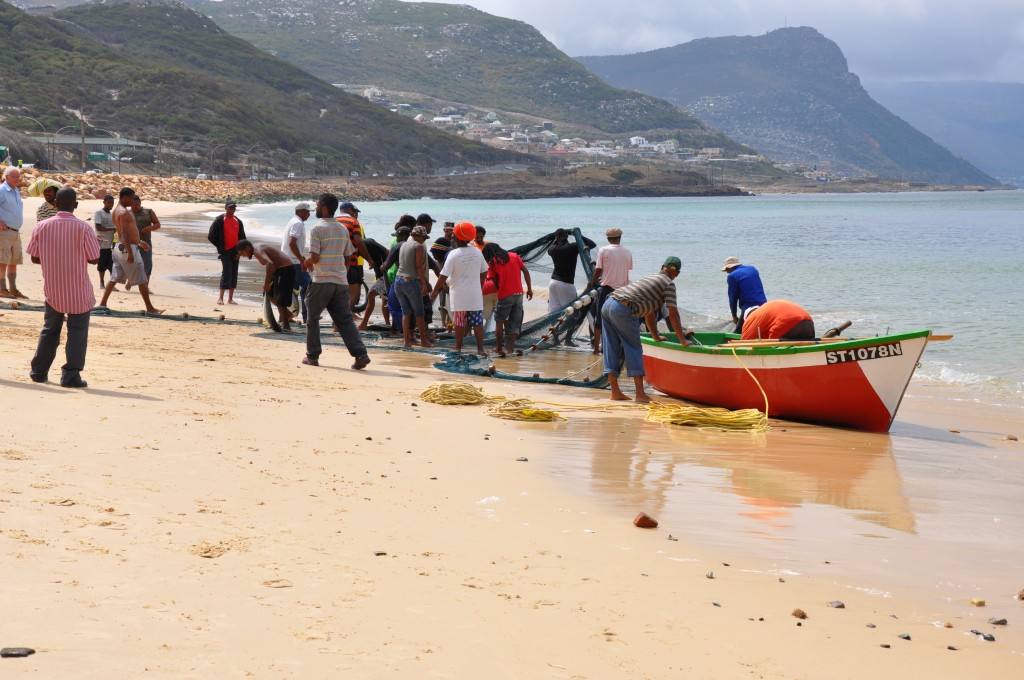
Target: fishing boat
{"type": "Point", "coordinates": [848, 382]}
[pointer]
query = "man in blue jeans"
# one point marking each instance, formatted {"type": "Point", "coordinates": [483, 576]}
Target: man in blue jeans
{"type": "Point", "coordinates": [410, 282]}
{"type": "Point", "coordinates": [329, 247]}
{"type": "Point", "coordinates": [621, 316]}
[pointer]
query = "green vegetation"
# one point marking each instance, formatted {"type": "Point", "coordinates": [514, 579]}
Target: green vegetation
{"type": "Point", "coordinates": [450, 52]}
{"type": "Point", "coordinates": [152, 70]}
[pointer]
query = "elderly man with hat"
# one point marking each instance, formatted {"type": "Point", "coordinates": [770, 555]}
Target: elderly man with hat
{"type": "Point", "coordinates": [225, 233]}
{"type": "Point", "coordinates": [614, 263]}
{"type": "Point", "coordinates": [294, 245]}
{"type": "Point", "coordinates": [622, 313]}
{"type": "Point", "coordinates": [745, 290]}
{"type": "Point", "coordinates": [349, 217]}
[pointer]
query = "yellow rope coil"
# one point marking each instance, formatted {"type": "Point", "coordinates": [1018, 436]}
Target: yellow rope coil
{"type": "Point", "coordinates": [522, 409]}
{"type": "Point", "coordinates": [710, 418]}
{"type": "Point", "coordinates": [456, 393]}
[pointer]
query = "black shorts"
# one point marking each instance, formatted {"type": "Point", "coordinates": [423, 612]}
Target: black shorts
{"type": "Point", "coordinates": [602, 294]}
{"type": "Point", "coordinates": [106, 261]}
{"type": "Point", "coordinates": [282, 286]}
{"type": "Point", "coordinates": [355, 275]}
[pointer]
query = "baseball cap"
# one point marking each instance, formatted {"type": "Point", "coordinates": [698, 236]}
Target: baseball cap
{"type": "Point", "coordinates": [673, 261]}
{"type": "Point", "coordinates": [424, 218]}
{"type": "Point", "coordinates": [347, 205]}
{"type": "Point", "coordinates": [302, 206]}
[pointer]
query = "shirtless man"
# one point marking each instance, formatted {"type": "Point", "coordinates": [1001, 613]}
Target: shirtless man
{"type": "Point", "coordinates": [128, 265]}
{"type": "Point", "coordinates": [279, 283]}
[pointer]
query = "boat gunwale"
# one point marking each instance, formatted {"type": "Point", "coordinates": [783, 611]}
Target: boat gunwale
{"type": "Point", "coordinates": [774, 350]}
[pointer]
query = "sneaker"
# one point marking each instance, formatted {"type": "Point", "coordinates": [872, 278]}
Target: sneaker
{"type": "Point", "coordinates": [310, 361]}
{"type": "Point", "coordinates": [361, 362]}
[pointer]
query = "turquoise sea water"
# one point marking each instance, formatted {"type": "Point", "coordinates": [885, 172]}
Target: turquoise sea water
{"type": "Point", "coordinates": [949, 262]}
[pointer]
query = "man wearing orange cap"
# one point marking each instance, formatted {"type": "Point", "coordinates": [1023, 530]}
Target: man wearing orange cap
{"type": "Point", "coordinates": [464, 272]}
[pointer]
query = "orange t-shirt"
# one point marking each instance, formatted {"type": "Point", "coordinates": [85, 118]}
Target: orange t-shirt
{"type": "Point", "coordinates": [773, 319]}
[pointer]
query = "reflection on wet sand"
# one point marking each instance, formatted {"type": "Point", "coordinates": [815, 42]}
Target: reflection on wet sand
{"type": "Point", "coordinates": [664, 470]}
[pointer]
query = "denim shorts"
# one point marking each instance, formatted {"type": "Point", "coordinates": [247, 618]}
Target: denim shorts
{"type": "Point", "coordinates": [409, 296]}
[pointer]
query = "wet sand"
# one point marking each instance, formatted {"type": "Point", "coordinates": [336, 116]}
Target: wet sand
{"type": "Point", "coordinates": [210, 507]}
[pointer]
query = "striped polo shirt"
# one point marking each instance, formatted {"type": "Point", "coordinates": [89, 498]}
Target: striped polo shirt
{"type": "Point", "coordinates": [330, 241]}
{"type": "Point", "coordinates": [647, 295]}
{"type": "Point", "coordinates": [64, 245]}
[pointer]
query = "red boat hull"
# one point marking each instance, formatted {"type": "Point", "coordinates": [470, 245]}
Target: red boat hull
{"type": "Point", "coordinates": [807, 384]}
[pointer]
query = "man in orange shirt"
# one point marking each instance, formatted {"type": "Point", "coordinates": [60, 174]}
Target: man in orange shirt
{"type": "Point", "coordinates": [349, 216]}
{"type": "Point", "coordinates": [779, 320]}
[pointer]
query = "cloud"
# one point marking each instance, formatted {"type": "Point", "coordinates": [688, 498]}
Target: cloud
{"type": "Point", "coordinates": [882, 39]}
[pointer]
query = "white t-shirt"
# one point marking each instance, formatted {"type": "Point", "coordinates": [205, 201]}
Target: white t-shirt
{"type": "Point", "coordinates": [463, 267]}
{"type": "Point", "coordinates": [615, 262]}
{"type": "Point", "coordinates": [297, 228]}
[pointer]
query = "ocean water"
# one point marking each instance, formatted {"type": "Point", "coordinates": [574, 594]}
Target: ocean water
{"type": "Point", "coordinates": [950, 262]}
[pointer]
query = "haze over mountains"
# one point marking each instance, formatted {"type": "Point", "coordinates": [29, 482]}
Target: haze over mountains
{"type": "Point", "coordinates": [983, 122]}
{"type": "Point", "coordinates": [790, 95]}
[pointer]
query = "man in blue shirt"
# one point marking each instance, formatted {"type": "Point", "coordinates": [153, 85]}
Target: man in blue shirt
{"type": "Point", "coordinates": [745, 290]}
{"type": "Point", "coordinates": [11, 218]}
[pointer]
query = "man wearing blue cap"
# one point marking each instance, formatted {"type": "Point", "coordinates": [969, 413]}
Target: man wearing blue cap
{"type": "Point", "coordinates": [621, 316]}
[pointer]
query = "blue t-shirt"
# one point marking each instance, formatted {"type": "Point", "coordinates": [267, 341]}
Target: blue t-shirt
{"type": "Point", "coordinates": [11, 209]}
{"type": "Point", "coordinates": [745, 288]}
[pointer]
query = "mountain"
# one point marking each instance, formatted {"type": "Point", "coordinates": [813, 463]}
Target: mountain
{"type": "Point", "coordinates": [789, 94]}
{"type": "Point", "coordinates": [449, 52]}
{"type": "Point", "coordinates": [153, 69]}
{"type": "Point", "coordinates": [983, 122]}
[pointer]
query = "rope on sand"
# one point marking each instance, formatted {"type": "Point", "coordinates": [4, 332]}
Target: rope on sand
{"type": "Point", "coordinates": [464, 393]}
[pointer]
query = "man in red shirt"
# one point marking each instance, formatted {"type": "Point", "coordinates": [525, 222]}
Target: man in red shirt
{"type": "Point", "coordinates": [508, 271]}
{"type": "Point", "coordinates": [350, 218]}
{"type": "Point", "coordinates": [65, 246]}
{"type": "Point", "coordinates": [225, 233]}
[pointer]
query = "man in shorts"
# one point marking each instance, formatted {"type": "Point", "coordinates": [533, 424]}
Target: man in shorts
{"type": "Point", "coordinates": [129, 267]}
{"type": "Point", "coordinates": [11, 218]}
{"type": "Point", "coordinates": [279, 283]}
{"type": "Point", "coordinates": [464, 272]}
{"type": "Point", "coordinates": [103, 222]}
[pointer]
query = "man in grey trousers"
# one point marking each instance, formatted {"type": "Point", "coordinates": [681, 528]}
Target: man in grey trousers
{"type": "Point", "coordinates": [329, 247]}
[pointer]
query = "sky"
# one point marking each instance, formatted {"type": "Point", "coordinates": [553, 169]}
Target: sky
{"type": "Point", "coordinates": [882, 39]}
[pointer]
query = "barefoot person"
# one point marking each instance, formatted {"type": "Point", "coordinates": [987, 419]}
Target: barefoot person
{"type": "Point", "coordinates": [103, 222]}
{"type": "Point", "coordinates": [411, 282]}
{"type": "Point", "coordinates": [65, 247]}
{"type": "Point", "coordinates": [128, 265]}
{"type": "Point", "coordinates": [225, 233]}
{"type": "Point", "coordinates": [464, 272]}
{"type": "Point", "coordinates": [621, 321]}
{"type": "Point", "coordinates": [508, 271]}
{"type": "Point", "coordinates": [279, 282]}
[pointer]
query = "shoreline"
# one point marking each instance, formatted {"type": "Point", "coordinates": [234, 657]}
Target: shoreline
{"type": "Point", "coordinates": [208, 506]}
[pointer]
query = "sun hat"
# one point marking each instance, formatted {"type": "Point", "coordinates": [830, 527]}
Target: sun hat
{"type": "Point", "coordinates": [613, 232]}
{"type": "Point", "coordinates": [418, 230]}
{"type": "Point", "coordinates": [730, 262]}
{"type": "Point", "coordinates": [465, 231]}
{"type": "Point", "coordinates": [302, 206]}
{"type": "Point", "coordinates": [673, 261]}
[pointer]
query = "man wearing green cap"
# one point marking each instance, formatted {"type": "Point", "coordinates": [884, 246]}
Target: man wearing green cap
{"type": "Point", "coordinates": [621, 316]}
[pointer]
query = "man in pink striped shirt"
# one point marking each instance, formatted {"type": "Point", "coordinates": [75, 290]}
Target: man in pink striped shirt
{"type": "Point", "coordinates": [65, 246]}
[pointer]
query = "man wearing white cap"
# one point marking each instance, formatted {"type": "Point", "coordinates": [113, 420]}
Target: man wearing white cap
{"type": "Point", "coordinates": [745, 290]}
{"type": "Point", "coordinates": [294, 245]}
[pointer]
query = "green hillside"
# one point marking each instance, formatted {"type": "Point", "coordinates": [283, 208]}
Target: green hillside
{"type": "Point", "coordinates": [149, 70]}
{"type": "Point", "coordinates": [790, 95]}
{"type": "Point", "coordinates": [451, 52]}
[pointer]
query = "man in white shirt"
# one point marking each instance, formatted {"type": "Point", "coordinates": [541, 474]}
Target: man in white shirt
{"type": "Point", "coordinates": [294, 245]}
{"type": "Point", "coordinates": [464, 271]}
{"type": "Point", "coordinates": [614, 262]}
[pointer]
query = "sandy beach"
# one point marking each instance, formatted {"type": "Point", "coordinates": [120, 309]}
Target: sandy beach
{"type": "Point", "coordinates": [209, 507]}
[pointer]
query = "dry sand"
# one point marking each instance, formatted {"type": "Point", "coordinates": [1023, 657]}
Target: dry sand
{"type": "Point", "coordinates": [208, 507]}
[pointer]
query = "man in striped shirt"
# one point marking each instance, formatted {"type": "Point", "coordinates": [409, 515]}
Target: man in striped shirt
{"type": "Point", "coordinates": [621, 316]}
{"type": "Point", "coordinates": [329, 248]}
{"type": "Point", "coordinates": [65, 246]}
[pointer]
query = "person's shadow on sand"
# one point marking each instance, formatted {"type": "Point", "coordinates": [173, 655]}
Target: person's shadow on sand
{"type": "Point", "coordinates": [57, 389]}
